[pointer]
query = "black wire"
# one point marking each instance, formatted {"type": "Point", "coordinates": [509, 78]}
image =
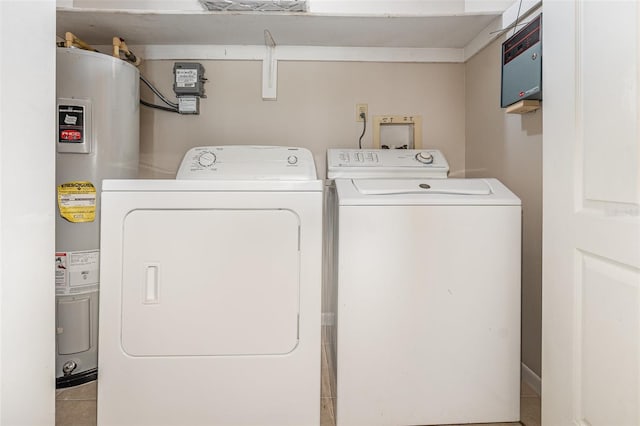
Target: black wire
{"type": "Point", "coordinates": [515, 25]}
{"type": "Point", "coordinates": [157, 92]}
{"type": "Point", "coordinates": [364, 128]}
{"type": "Point", "coordinates": [163, 108]}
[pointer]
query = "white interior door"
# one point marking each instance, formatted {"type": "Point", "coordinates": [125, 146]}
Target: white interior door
{"type": "Point", "coordinates": [591, 248]}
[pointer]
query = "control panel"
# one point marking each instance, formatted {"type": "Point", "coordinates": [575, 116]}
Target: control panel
{"type": "Point", "coordinates": [247, 162]}
{"type": "Point", "coordinates": [522, 65]}
{"type": "Point", "coordinates": [358, 157]}
{"type": "Point", "coordinates": [356, 163]}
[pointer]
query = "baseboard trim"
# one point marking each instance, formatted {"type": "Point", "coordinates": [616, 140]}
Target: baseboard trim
{"type": "Point", "coordinates": [531, 378]}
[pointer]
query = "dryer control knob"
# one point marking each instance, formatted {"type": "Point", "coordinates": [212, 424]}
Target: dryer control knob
{"type": "Point", "coordinates": [424, 157]}
{"type": "Point", "coordinates": [292, 159]}
{"type": "Point", "coordinates": [206, 159]}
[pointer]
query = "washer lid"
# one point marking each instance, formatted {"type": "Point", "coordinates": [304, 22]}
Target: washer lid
{"type": "Point", "coordinates": [424, 192]}
{"type": "Point", "coordinates": [420, 186]}
{"type": "Point", "coordinates": [247, 162]}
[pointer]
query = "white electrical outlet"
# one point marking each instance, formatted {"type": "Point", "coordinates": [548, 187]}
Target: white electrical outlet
{"type": "Point", "coordinates": [362, 108]}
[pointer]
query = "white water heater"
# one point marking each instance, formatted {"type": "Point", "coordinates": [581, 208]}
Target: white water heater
{"type": "Point", "coordinates": [97, 138]}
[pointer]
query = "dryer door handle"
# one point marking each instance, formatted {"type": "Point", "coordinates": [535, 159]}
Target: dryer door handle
{"type": "Point", "coordinates": [151, 294]}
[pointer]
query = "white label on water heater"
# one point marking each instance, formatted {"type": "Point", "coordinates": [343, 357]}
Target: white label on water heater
{"type": "Point", "coordinates": [77, 272]}
{"type": "Point", "coordinates": [61, 271]}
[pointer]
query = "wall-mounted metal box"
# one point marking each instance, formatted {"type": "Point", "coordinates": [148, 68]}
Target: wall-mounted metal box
{"type": "Point", "coordinates": [522, 64]}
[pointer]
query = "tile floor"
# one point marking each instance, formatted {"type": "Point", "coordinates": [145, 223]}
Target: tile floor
{"type": "Point", "coordinates": [77, 406]}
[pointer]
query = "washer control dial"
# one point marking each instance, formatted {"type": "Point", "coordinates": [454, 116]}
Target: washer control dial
{"type": "Point", "coordinates": [424, 157]}
{"type": "Point", "coordinates": [206, 159]}
{"type": "Point", "coordinates": [292, 159]}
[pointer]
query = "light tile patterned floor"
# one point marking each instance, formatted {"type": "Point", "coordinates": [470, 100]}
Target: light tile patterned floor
{"type": "Point", "coordinates": [77, 406]}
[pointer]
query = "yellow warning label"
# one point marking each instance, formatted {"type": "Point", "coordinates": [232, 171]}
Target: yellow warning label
{"type": "Point", "coordinates": [77, 201]}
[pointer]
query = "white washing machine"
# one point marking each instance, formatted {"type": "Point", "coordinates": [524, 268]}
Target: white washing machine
{"type": "Point", "coordinates": [210, 296]}
{"type": "Point", "coordinates": [427, 275]}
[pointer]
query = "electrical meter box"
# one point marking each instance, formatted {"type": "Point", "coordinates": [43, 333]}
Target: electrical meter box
{"type": "Point", "coordinates": [522, 64]}
{"type": "Point", "coordinates": [188, 79]}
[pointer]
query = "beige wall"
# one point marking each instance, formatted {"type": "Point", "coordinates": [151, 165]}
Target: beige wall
{"type": "Point", "coordinates": [315, 108]}
{"type": "Point", "coordinates": [509, 147]}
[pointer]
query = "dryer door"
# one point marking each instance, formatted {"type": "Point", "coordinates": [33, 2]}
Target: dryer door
{"type": "Point", "coordinates": [210, 282]}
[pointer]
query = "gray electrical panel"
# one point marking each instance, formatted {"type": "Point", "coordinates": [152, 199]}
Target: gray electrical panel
{"type": "Point", "coordinates": [188, 85]}
{"type": "Point", "coordinates": [522, 65]}
{"type": "Point", "coordinates": [188, 79]}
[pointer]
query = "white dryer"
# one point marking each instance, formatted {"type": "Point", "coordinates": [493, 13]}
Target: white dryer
{"type": "Point", "coordinates": [210, 303]}
{"type": "Point", "coordinates": [427, 275]}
